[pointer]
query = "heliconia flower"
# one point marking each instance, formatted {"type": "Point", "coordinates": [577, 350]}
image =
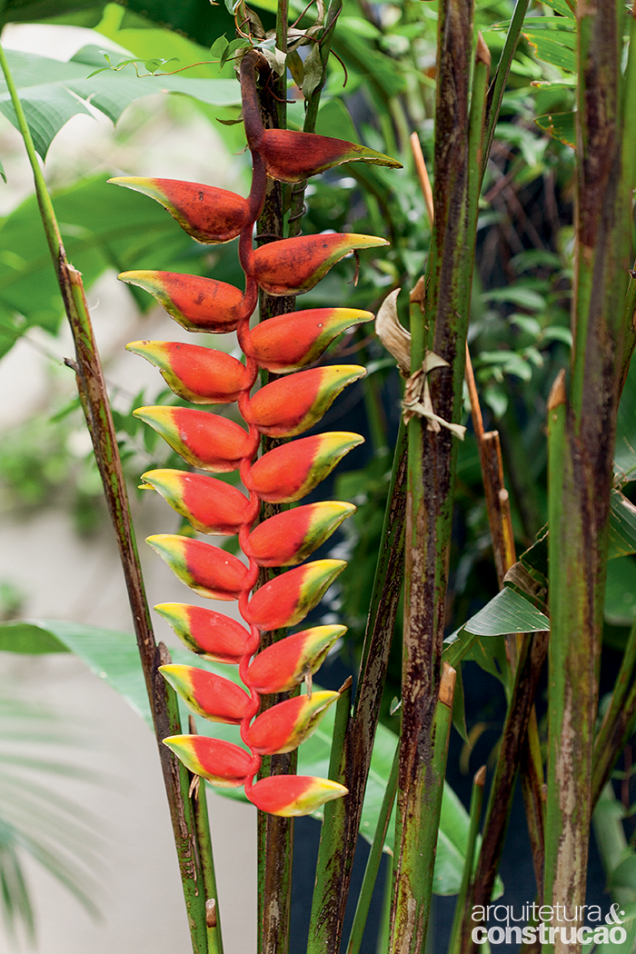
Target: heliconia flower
{"type": "Point", "coordinates": [293, 341]}
{"type": "Point", "coordinates": [294, 794]}
{"type": "Point", "coordinates": [221, 763]}
{"type": "Point", "coordinates": [293, 156]}
{"type": "Point", "coordinates": [288, 472]}
{"type": "Point", "coordinates": [293, 404]}
{"type": "Point", "coordinates": [285, 664]}
{"type": "Point", "coordinates": [196, 303]}
{"type": "Point", "coordinates": [211, 696]}
{"type": "Point", "coordinates": [207, 570]}
{"type": "Point", "coordinates": [286, 600]}
{"type": "Point", "coordinates": [294, 265]}
{"type": "Point", "coordinates": [283, 727]}
{"type": "Point", "coordinates": [200, 375]}
{"type": "Point", "coordinates": [205, 440]}
{"type": "Point", "coordinates": [211, 505]}
{"type": "Point", "coordinates": [210, 215]}
{"type": "Point", "coordinates": [207, 633]}
{"type": "Point", "coordinates": [290, 537]}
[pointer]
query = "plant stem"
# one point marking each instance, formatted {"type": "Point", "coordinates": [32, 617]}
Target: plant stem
{"type": "Point", "coordinates": [373, 862]}
{"type": "Point", "coordinates": [421, 877]}
{"type": "Point", "coordinates": [531, 658]}
{"type": "Point", "coordinates": [431, 472]}
{"type": "Point", "coordinates": [582, 426]}
{"type": "Point", "coordinates": [476, 800]}
{"type": "Point", "coordinates": [94, 400]}
{"type": "Point", "coordinates": [617, 722]}
{"type": "Point", "coordinates": [498, 86]}
{"type": "Point", "coordinates": [342, 817]}
{"type": "Point", "coordinates": [204, 840]}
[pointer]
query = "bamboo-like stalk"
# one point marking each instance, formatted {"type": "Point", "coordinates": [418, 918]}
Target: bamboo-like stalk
{"type": "Point", "coordinates": [476, 801]}
{"type": "Point", "coordinates": [618, 720]}
{"type": "Point", "coordinates": [373, 861]}
{"type": "Point", "coordinates": [532, 654]}
{"type": "Point", "coordinates": [582, 426]}
{"type": "Point", "coordinates": [96, 407]}
{"type": "Point", "coordinates": [430, 490]}
{"type": "Point", "coordinates": [342, 816]}
{"type": "Point", "coordinates": [498, 87]}
{"type": "Point", "coordinates": [201, 819]}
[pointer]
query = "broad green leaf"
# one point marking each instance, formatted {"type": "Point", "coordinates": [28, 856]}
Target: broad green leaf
{"type": "Point", "coordinates": [44, 85]}
{"type": "Point", "coordinates": [196, 19]}
{"type": "Point", "coordinates": [622, 541]}
{"type": "Point", "coordinates": [554, 46]}
{"type": "Point", "coordinates": [369, 63]}
{"type": "Point", "coordinates": [516, 295]}
{"type": "Point", "coordinates": [625, 453]}
{"type": "Point", "coordinates": [113, 657]}
{"type": "Point", "coordinates": [23, 637]}
{"type": "Point", "coordinates": [507, 612]}
{"type": "Point", "coordinates": [620, 591]}
{"type": "Point", "coordinates": [561, 126]}
{"type": "Point", "coordinates": [561, 6]}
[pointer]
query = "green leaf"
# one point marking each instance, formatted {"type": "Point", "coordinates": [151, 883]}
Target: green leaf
{"type": "Point", "coordinates": [46, 88]}
{"type": "Point", "coordinates": [516, 295]}
{"type": "Point", "coordinates": [561, 126]}
{"type": "Point", "coordinates": [507, 612]}
{"type": "Point", "coordinates": [561, 6]}
{"type": "Point", "coordinates": [622, 541]}
{"type": "Point", "coordinates": [113, 657]}
{"type": "Point", "coordinates": [554, 46]}
{"type": "Point", "coordinates": [620, 591]}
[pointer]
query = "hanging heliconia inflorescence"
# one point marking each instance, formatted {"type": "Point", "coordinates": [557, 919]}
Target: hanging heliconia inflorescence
{"type": "Point", "coordinates": [283, 408]}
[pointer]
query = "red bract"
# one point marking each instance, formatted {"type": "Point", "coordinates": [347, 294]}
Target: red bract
{"type": "Point", "coordinates": [210, 505]}
{"type": "Point", "coordinates": [207, 570]}
{"type": "Point", "coordinates": [286, 663]}
{"type": "Point", "coordinates": [290, 537]}
{"type": "Point", "coordinates": [207, 633]}
{"type": "Point", "coordinates": [287, 599]}
{"type": "Point", "coordinates": [208, 214]}
{"type": "Point", "coordinates": [295, 265]}
{"type": "Point", "coordinates": [283, 727]}
{"type": "Point", "coordinates": [210, 696]}
{"type": "Point", "coordinates": [222, 763]}
{"type": "Point", "coordinates": [294, 794]}
{"type": "Point", "coordinates": [293, 156]}
{"type": "Point", "coordinates": [197, 304]}
{"type": "Point", "coordinates": [210, 442]}
{"type": "Point", "coordinates": [291, 471]}
{"type": "Point", "coordinates": [292, 405]}
{"type": "Point", "coordinates": [200, 375]}
{"type": "Point", "coordinates": [290, 342]}
{"type": "Point", "coordinates": [205, 440]}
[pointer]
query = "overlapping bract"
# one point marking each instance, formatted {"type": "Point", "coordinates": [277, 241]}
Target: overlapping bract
{"type": "Point", "coordinates": [283, 408]}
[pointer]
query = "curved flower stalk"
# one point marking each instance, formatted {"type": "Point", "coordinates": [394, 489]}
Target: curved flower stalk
{"type": "Point", "coordinates": [284, 408]}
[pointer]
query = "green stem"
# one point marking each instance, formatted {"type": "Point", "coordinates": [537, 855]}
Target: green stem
{"type": "Point", "coordinates": [342, 816]}
{"type": "Point", "coordinates": [582, 426]}
{"type": "Point", "coordinates": [94, 400]}
{"type": "Point", "coordinates": [420, 884]}
{"type": "Point", "coordinates": [616, 725]}
{"type": "Point", "coordinates": [373, 861]}
{"type": "Point", "coordinates": [431, 472]}
{"type": "Point", "coordinates": [476, 800]}
{"type": "Point", "coordinates": [531, 659]}
{"type": "Point", "coordinates": [213, 917]}
{"type": "Point", "coordinates": [498, 87]}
